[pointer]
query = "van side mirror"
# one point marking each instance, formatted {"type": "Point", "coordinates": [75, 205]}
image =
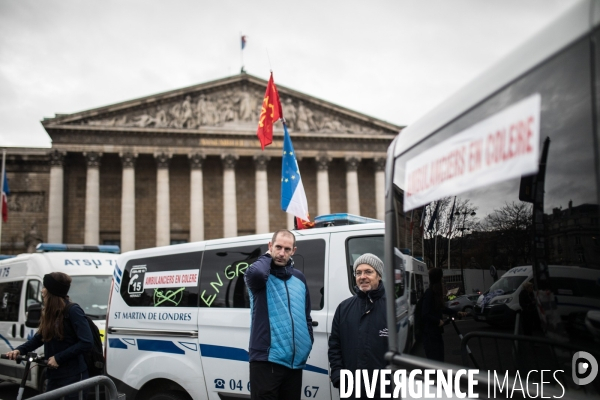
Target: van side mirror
{"type": "Point", "coordinates": [34, 313]}
{"type": "Point", "coordinates": [413, 297]}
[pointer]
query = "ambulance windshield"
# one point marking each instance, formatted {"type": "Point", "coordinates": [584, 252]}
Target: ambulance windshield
{"type": "Point", "coordinates": [91, 293]}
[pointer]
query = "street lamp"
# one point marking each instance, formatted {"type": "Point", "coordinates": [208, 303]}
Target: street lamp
{"type": "Point", "coordinates": [462, 234]}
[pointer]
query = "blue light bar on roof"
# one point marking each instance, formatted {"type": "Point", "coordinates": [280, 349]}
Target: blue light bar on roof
{"type": "Point", "coordinates": [49, 247]}
{"type": "Point", "coordinates": [342, 219]}
{"type": "Point", "coordinates": [5, 257]}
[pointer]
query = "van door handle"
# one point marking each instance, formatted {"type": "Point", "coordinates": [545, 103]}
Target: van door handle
{"type": "Point", "coordinates": [14, 330]}
{"type": "Point", "coordinates": [315, 323]}
{"type": "Point", "coordinates": [22, 331]}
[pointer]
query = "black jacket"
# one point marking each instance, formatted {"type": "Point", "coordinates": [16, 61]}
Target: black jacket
{"type": "Point", "coordinates": [359, 335]}
{"type": "Point", "coordinates": [432, 316]}
{"type": "Point", "coordinates": [68, 352]}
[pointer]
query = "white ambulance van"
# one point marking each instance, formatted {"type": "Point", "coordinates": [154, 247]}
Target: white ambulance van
{"type": "Point", "coordinates": [91, 268]}
{"type": "Point", "coordinates": [411, 282]}
{"type": "Point", "coordinates": [575, 291]}
{"type": "Point", "coordinates": [179, 319]}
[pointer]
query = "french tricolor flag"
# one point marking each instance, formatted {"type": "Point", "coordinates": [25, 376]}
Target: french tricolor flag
{"type": "Point", "coordinates": [293, 197]}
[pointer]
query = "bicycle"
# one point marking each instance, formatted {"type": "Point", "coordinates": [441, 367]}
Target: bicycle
{"type": "Point", "coordinates": [29, 358]}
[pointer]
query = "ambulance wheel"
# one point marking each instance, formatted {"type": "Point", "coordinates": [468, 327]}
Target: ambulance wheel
{"type": "Point", "coordinates": [170, 396]}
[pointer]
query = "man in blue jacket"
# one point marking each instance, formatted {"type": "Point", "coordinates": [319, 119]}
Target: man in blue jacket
{"type": "Point", "coordinates": [281, 334]}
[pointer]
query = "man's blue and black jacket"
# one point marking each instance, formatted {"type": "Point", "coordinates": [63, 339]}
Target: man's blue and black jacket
{"type": "Point", "coordinates": [280, 325]}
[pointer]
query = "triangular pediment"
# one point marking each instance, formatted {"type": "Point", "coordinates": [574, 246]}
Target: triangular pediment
{"type": "Point", "coordinates": [232, 103]}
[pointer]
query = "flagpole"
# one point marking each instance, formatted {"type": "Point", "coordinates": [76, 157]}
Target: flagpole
{"type": "Point", "coordinates": [435, 251]}
{"type": "Point", "coordinates": [449, 251]}
{"type": "Point", "coordinates": [2, 186]}
{"type": "Point", "coordinates": [241, 51]}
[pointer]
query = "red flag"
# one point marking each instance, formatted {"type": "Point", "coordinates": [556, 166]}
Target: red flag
{"type": "Point", "coordinates": [303, 224]}
{"type": "Point", "coordinates": [269, 114]}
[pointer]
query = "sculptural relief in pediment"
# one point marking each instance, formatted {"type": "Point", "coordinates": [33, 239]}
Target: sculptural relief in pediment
{"type": "Point", "coordinates": [232, 108]}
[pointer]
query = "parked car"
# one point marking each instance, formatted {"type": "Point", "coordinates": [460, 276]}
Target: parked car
{"type": "Point", "coordinates": [592, 322]}
{"type": "Point", "coordinates": [466, 302]}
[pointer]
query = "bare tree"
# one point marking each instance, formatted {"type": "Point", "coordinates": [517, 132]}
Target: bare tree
{"type": "Point", "coordinates": [446, 225]}
{"type": "Point", "coordinates": [509, 233]}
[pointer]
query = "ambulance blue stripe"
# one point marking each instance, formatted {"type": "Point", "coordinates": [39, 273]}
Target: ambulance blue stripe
{"type": "Point", "coordinates": [227, 353]}
{"type": "Point", "coordinates": [161, 346]}
{"type": "Point", "coordinates": [318, 370]}
{"type": "Point", "coordinates": [117, 278]}
{"type": "Point", "coordinates": [116, 344]}
{"type": "Point", "coordinates": [7, 342]}
{"type": "Point", "coordinates": [118, 270]}
{"type": "Point", "coordinates": [236, 354]}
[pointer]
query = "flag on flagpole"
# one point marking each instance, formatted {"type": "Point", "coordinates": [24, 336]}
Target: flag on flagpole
{"type": "Point", "coordinates": [243, 41]}
{"type": "Point", "coordinates": [412, 224]}
{"type": "Point", "coordinates": [5, 193]}
{"type": "Point", "coordinates": [293, 197]}
{"type": "Point", "coordinates": [451, 216]}
{"type": "Point", "coordinates": [433, 216]}
{"type": "Point", "coordinates": [269, 114]}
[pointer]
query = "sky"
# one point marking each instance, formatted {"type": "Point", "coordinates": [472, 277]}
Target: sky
{"type": "Point", "coordinates": [390, 59]}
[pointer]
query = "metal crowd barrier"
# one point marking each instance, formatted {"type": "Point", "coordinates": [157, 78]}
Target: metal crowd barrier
{"type": "Point", "coordinates": [519, 354]}
{"type": "Point", "coordinates": [110, 392]}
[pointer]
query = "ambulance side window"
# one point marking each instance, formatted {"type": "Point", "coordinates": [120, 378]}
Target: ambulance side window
{"type": "Point", "coordinates": [164, 281]}
{"type": "Point", "coordinates": [222, 279]}
{"type": "Point", "coordinates": [10, 297]}
{"type": "Point", "coordinates": [34, 295]}
{"type": "Point", "coordinates": [310, 259]}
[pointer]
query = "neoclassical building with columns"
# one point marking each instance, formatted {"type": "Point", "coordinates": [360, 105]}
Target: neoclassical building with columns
{"type": "Point", "coordinates": [186, 165]}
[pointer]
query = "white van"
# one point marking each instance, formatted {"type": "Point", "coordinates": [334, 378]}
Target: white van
{"type": "Point", "coordinates": [505, 171]}
{"type": "Point", "coordinates": [179, 319]}
{"type": "Point", "coordinates": [574, 290]}
{"type": "Point", "coordinates": [411, 281]}
{"type": "Point", "coordinates": [91, 268]}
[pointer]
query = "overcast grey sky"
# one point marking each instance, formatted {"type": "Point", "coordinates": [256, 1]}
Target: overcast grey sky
{"type": "Point", "coordinates": [390, 59]}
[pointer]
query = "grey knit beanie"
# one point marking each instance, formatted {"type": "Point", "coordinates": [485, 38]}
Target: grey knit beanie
{"type": "Point", "coordinates": [372, 260]}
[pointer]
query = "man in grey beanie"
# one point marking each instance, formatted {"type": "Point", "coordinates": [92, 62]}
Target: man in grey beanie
{"type": "Point", "coordinates": [359, 334]}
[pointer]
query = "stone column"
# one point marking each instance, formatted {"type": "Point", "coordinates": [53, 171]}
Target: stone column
{"type": "Point", "coordinates": [56, 197]}
{"type": "Point", "coordinates": [128, 202]}
{"type": "Point", "coordinates": [229, 195]}
{"type": "Point", "coordinates": [92, 199]}
{"type": "Point", "coordinates": [196, 198]}
{"type": "Point", "coordinates": [262, 194]}
{"type": "Point", "coordinates": [163, 206]}
{"type": "Point", "coordinates": [380, 188]}
{"type": "Point", "coordinates": [323, 206]}
{"type": "Point", "coordinates": [352, 195]}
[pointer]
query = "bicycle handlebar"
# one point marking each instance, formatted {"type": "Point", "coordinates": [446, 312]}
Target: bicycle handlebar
{"type": "Point", "coordinates": [31, 357]}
